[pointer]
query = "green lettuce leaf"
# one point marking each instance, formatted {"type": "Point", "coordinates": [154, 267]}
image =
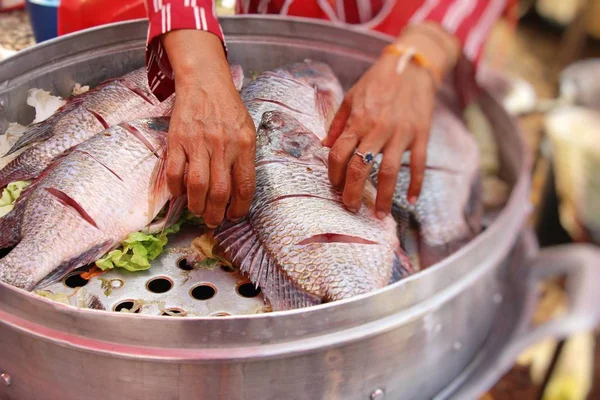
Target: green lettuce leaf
{"type": "Point", "coordinates": [139, 249]}
{"type": "Point", "coordinates": [10, 195]}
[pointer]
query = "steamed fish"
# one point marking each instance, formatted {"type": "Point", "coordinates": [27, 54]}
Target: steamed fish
{"type": "Point", "coordinates": [299, 243]}
{"type": "Point", "coordinates": [118, 100]}
{"type": "Point", "coordinates": [85, 204]}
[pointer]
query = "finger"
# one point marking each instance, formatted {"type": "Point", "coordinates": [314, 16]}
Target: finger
{"type": "Point", "coordinates": [418, 155]}
{"type": "Point", "coordinates": [197, 181]}
{"type": "Point", "coordinates": [244, 186]}
{"type": "Point", "coordinates": [358, 170]}
{"type": "Point", "coordinates": [388, 173]}
{"type": "Point", "coordinates": [176, 162]}
{"type": "Point", "coordinates": [340, 155]}
{"type": "Point", "coordinates": [218, 191]}
{"type": "Point", "coordinates": [337, 124]}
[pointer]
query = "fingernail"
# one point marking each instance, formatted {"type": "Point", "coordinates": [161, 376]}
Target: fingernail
{"type": "Point", "coordinates": [236, 219]}
{"type": "Point", "coordinates": [210, 226]}
{"type": "Point", "coordinates": [381, 214]}
{"type": "Point", "coordinates": [352, 210]}
{"type": "Point", "coordinates": [412, 199]}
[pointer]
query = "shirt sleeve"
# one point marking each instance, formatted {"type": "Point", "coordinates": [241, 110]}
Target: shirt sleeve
{"type": "Point", "coordinates": [471, 21]}
{"type": "Point", "coordinates": [168, 15]}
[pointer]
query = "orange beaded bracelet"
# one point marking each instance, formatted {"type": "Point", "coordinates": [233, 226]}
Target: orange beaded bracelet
{"type": "Point", "coordinates": [410, 53]}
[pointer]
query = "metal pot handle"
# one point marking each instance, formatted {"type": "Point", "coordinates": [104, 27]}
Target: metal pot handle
{"type": "Point", "coordinates": [580, 264]}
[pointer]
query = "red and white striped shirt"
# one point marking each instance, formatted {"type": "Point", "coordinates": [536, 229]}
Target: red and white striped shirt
{"type": "Point", "coordinates": [469, 20]}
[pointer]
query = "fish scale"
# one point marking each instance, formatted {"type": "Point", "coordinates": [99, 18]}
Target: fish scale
{"type": "Point", "coordinates": [80, 209]}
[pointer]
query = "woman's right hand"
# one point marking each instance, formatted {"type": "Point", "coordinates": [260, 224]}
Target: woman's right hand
{"type": "Point", "coordinates": [211, 140]}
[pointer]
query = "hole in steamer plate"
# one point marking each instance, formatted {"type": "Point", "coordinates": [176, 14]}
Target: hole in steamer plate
{"type": "Point", "coordinates": [204, 291]}
{"type": "Point", "coordinates": [126, 305]}
{"type": "Point", "coordinates": [184, 265]}
{"type": "Point", "coordinates": [173, 312]}
{"type": "Point", "coordinates": [162, 284]}
{"type": "Point", "coordinates": [248, 290]}
{"type": "Point", "coordinates": [75, 280]}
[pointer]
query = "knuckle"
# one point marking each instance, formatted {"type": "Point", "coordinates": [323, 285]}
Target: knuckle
{"type": "Point", "coordinates": [245, 189]}
{"type": "Point", "coordinates": [198, 184]}
{"type": "Point", "coordinates": [173, 175]}
{"type": "Point", "coordinates": [219, 193]}
{"type": "Point", "coordinates": [247, 142]}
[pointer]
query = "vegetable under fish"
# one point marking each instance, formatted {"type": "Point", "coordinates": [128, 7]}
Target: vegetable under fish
{"type": "Point", "coordinates": [86, 203]}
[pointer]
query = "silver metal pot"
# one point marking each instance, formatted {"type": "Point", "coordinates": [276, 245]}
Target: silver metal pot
{"type": "Point", "coordinates": [437, 333]}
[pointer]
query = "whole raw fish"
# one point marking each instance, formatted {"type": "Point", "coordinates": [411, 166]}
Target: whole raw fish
{"type": "Point", "coordinates": [299, 243]}
{"type": "Point", "coordinates": [85, 204]}
{"type": "Point", "coordinates": [126, 98]}
{"type": "Point", "coordinates": [448, 213]}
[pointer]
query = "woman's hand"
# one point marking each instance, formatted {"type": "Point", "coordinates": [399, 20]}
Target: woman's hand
{"type": "Point", "coordinates": [386, 112]}
{"type": "Point", "coordinates": [211, 140]}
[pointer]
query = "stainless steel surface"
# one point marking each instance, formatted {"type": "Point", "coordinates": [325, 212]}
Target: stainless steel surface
{"type": "Point", "coordinates": [377, 394]}
{"type": "Point", "coordinates": [181, 289]}
{"type": "Point", "coordinates": [6, 379]}
{"type": "Point", "coordinates": [409, 340]}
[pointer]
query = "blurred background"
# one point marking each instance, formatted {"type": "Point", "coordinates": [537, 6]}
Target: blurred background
{"type": "Point", "coordinates": [547, 63]}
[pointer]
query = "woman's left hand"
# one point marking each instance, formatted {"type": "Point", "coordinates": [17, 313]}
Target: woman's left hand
{"type": "Point", "coordinates": [385, 112]}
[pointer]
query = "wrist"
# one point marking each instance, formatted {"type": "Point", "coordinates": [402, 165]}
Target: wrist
{"type": "Point", "coordinates": [194, 54]}
{"type": "Point", "coordinates": [440, 47]}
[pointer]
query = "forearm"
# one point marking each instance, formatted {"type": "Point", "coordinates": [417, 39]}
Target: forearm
{"type": "Point", "coordinates": [190, 24]}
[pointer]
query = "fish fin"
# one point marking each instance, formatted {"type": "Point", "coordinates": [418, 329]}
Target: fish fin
{"type": "Point", "coordinates": [36, 133]}
{"type": "Point", "coordinates": [326, 104]}
{"type": "Point", "coordinates": [241, 245]}
{"type": "Point", "coordinates": [19, 169]}
{"type": "Point", "coordinates": [237, 74]}
{"type": "Point", "coordinates": [85, 258]}
{"type": "Point", "coordinates": [43, 130]}
{"type": "Point", "coordinates": [175, 211]}
{"type": "Point", "coordinates": [474, 208]}
{"type": "Point", "coordinates": [158, 183]}
{"type": "Point", "coordinates": [402, 267]}
{"type": "Point", "coordinates": [10, 232]}
{"type": "Point", "coordinates": [402, 218]}
{"type": "Point", "coordinates": [92, 302]}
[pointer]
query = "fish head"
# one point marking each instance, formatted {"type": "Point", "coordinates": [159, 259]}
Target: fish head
{"type": "Point", "coordinates": [282, 137]}
{"type": "Point", "coordinates": [320, 76]}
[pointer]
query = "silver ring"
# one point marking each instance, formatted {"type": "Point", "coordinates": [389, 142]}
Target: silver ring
{"type": "Point", "coordinates": [367, 158]}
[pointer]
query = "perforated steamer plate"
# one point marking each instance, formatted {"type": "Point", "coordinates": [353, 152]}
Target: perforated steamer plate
{"type": "Point", "coordinates": [171, 287]}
